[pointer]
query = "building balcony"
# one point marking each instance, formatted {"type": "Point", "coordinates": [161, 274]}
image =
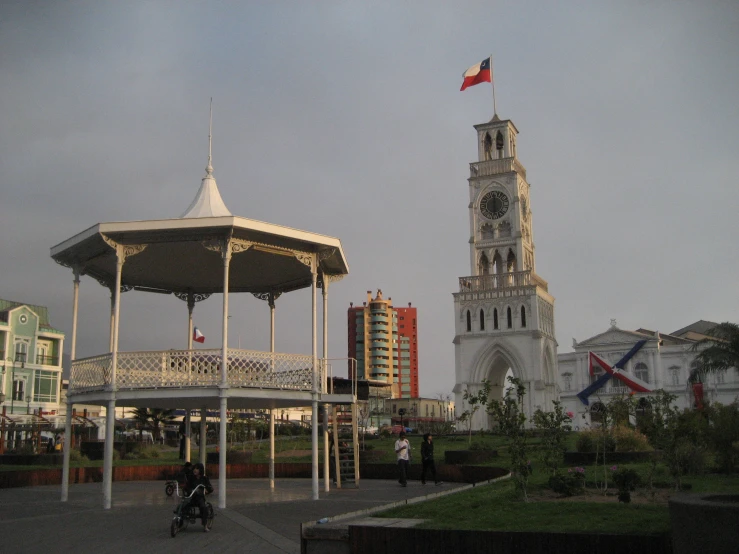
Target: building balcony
{"type": "Point", "coordinates": [47, 360]}
{"type": "Point", "coordinates": [496, 167]}
{"type": "Point", "coordinates": [195, 368]}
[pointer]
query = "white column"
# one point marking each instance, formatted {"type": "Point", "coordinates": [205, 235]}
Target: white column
{"type": "Point", "coordinates": [68, 420]}
{"type": "Point", "coordinates": [188, 422]}
{"type": "Point", "coordinates": [326, 455]}
{"type": "Point", "coordinates": [187, 435]}
{"type": "Point", "coordinates": [67, 447]}
{"type": "Point", "coordinates": [222, 454]}
{"type": "Point", "coordinates": [314, 411]}
{"type": "Point", "coordinates": [75, 303]}
{"type": "Point", "coordinates": [112, 320]}
{"type": "Point", "coordinates": [110, 412]}
{"type": "Point", "coordinates": [108, 455]}
{"type": "Point", "coordinates": [203, 435]}
{"type": "Point", "coordinates": [272, 411]}
{"type": "Point", "coordinates": [224, 381]}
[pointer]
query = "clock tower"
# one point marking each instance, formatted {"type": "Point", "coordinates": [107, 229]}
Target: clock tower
{"type": "Point", "coordinates": [504, 314]}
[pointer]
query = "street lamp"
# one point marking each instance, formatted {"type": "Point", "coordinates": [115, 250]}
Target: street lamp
{"type": "Point", "coordinates": [12, 379]}
{"type": "Point", "coordinates": [401, 413]}
{"type": "Point", "coordinates": [28, 404]}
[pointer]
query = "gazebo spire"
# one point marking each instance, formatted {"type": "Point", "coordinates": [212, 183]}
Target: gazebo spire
{"type": "Point", "coordinates": [208, 201]}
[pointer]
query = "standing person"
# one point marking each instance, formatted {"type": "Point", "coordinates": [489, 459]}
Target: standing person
{"type": "Point", "coordinates": [427, 459]}
{"type": "Point", "coordinates": [198, 477]}
{"type": "Point", "coordinates": [403, 451]}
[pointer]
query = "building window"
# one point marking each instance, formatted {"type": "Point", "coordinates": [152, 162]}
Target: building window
{"type": "Point", "coordinates": [596, 412]}
{"type": "Point", "coordinates": [675, 374]}
{"type": "Point", "coordinates": [523, 316]}
{"type": "Point", "coordinates": [719, 377]}
{"type": "Point", "coordinates": [45, 387]}
{"type": "Point", "coordinates": [495, 318]}
{"type": "Point", "coordinates": [482, 320]}
{"type": "Point", "coordinates": [510, 318]}
{"type": "Point", "coordinates": [395, 408]}
{"type": "Point", "coordinates": [567, 378]}
{"type": "Point", "coordinates": [19, 388]}
{"type": "Point", "coordinates": [21, 351]}
{"type": "Point", "coordinates": [641, 372]}
{"type": "Point", "coordinates": [469, 321]}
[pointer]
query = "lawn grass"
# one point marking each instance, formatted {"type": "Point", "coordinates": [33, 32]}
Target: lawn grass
{"type": "Point", "coordinates": [494, 508]}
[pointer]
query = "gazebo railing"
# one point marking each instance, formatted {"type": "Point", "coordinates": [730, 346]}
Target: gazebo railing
{"type": "Point", "coordinates": [195, 368]}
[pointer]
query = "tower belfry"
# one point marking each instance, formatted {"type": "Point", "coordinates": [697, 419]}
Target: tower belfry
{"type": "Point", "coordinates": [504, 314]}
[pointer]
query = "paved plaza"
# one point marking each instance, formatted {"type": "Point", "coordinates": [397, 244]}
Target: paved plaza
{"type": "Point", "coordinates": [33, 520]}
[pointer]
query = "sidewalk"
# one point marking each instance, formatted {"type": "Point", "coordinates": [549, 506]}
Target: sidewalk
{"type": "Point", "coordinates": [33, 520]}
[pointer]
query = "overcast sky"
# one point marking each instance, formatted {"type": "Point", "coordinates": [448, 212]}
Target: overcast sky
{"type": "Point", "coordinates": [346, 119]}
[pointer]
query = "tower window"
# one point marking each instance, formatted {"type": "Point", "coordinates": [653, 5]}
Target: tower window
{"type": "Point", "coordinates": [523, 316]}
{"type": "Point", "coordinates": [495, 318]}
{"type": "Point", "coordinates": [510, 318]}
{"type": "Point", "coordinates": [487, 146]}
{"type": "Point", "coordinates": [469, 321]}
{"type": "Point", "coordinates": [484, 267]}
{"type": "Point", "coordinates": [482, 320]}
{"type": "Point", "coordinates": [499, 144]}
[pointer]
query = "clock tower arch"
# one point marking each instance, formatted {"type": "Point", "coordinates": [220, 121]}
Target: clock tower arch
{"type": "Point", "coordinates": [504, 314]}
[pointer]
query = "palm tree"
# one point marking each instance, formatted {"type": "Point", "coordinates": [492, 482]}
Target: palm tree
{"type": "Point", "coordinates": [719, 351]}
{"type": "Point", "coordinates": [151, 418]}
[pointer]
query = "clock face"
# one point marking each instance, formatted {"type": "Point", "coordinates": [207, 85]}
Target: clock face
{"type": "Point", "coordinates": [494, 204]}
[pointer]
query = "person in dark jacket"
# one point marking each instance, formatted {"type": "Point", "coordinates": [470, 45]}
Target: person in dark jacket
{"type": "Point", "coordinates": [427, 459]}
{"type": "Point", "coordinates": [198, 477]}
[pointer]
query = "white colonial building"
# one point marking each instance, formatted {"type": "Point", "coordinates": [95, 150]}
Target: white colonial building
{"type": "Point", "coordinates": [664, 362]}
{"type": "Point", "coordinates": [503, 312]}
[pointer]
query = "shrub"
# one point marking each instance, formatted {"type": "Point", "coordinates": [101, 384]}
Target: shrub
{"type": "Point", "coordinates": [593, 440]}
{"type": "Point", "coordinates": [585, 442]}
{"type": "Point", "coordinates": [76, 456]}
{"type": "Point", "coordinates": [689, 457]}
{"type": "Point", "coordinates": [724, 435]}
{"type": "Point", "coordinates": [629, 440]}
{"type": "Point", "coordinates": [626, 480]}
{"type": "Point", "coordinates": [570, 483]}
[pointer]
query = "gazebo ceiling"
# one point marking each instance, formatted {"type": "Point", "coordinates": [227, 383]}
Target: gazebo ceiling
{"type": "Point", "coordinates": [178, 255]}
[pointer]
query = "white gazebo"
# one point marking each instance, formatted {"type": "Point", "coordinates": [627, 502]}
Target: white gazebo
{"type": "Point", "coordinates": [205, 251]}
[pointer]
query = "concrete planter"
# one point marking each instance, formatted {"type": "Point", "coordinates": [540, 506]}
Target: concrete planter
{"type": "Point", "coordinates": [704, 523]}
{"type": "Point", "coordinates": [469, 456]}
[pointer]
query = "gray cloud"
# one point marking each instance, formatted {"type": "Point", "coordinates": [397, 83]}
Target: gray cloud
{"type": "Point", "coordinates": [345, 118]}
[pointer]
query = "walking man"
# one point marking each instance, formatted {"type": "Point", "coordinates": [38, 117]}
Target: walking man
{"type": "Point", "coordinates": [403, 451]}
{"type": "Point", "coordinates": [427, 459]}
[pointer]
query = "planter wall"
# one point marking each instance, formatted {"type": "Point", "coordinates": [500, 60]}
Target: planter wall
{"type": "Point", "coordinates": [391, 540]}
{"type": "Point", "coordinates": [28, 478]}
{"type": "Point", "coordinates": [586, 458]}
{"type": "Point", "coordinates": [704, 523]}
{"type": "Point", "coordinates": [94, 449]}
{"type": "Point", "coordinates": [469, 456]}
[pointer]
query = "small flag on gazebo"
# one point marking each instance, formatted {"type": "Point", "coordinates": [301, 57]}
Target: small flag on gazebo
{"type": "Point", "coordinates": [197, 336]}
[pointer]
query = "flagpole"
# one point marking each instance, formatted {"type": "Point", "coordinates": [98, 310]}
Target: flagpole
{"type": "Point", "coordinates": [492, 82]}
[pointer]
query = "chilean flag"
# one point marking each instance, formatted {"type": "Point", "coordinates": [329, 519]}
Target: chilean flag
{"type": "Point", "coordinates": [479, 73]}
{"type": "Point", "coordinates": [197, 336]}
{"type": "Point", "coordinates": [632, 382]}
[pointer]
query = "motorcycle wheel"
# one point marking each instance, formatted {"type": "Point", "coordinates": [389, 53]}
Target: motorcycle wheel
{"type": "Point", "coordinates": [174, 526]}
{"type": "Point", "coordinates": [169, 489]}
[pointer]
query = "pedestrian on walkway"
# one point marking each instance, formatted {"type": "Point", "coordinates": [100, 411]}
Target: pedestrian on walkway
{"type": "Point", "coordinates": [427, 459]}
{"type": "Point", "coordinates": [403, 452]}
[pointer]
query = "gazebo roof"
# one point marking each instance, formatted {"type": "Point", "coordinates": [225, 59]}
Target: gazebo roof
{"type": "Point", "coordinates": [177, 258]}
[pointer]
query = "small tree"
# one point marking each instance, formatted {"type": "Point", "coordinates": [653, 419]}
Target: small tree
{"type": "Point", "coordinates": [554, 427]}
{"type": "Point", "coordinates": [475, 401]}
{"type": "Point", "coordinates": [511, 421]}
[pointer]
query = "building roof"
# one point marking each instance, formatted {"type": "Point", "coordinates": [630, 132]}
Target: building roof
{"type": "Point", "coordinates": [700, 327]}
{"type": "Point", "coordinates": [6, 306]}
